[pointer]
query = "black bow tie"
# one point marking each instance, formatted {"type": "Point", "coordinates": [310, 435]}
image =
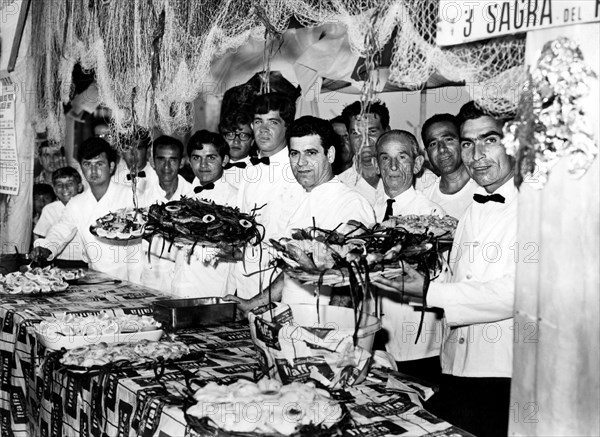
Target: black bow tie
{"type": "Point", "coordinates": [236, 164]}
{"type": "Point", "coordinates": [480, 198]}
{"type": "Point", "coordinates": [255, 160]}
{"type": "Point", "coordinates": [141, 174]}
{"type": "Point", "coordinates": [204, 187]}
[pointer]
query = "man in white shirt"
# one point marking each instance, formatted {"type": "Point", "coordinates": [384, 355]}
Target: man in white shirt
{"type": "Point", "coordinates": [326, 203]}
{"type": "Point", "coordinates": [159, 266]}
{"type": "Point", "coordinates": [116, 258]}
{"type": "Point", "coordinates": [135, 157]}
{"type": "Point", "coordinates": [237, 130]}
{"type": "Point", "coordinates": [195, 275]}
{"type": "Point", "coordinates": [364, 132]}
{"type": "Point", "coordinates": [268, 188]}
{"type": "Point", "coordinates": [478, 294]}
{"type": "Point", "coordinates": [66, 182]}
{"type": "Point", "coordinates": [398, 161]}
{"type": "Point", "coordinates": [453, 189]}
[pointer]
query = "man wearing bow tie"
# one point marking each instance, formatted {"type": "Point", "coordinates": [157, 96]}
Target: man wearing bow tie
{"type": "Point", "coordinates": [195, 275]}
{"type": "Point", "coordinates": [268, 187]}
{"type": "Point", "coordinates": [133, 162]}
{"type": "Point", "coordinates": [477, 294]}
{"type": "Point", "coordinates": [237, 130]}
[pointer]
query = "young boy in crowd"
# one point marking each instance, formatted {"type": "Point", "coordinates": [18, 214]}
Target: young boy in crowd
{"type": "Point", "coordinates": [66, 183]}
{"type": "Point", "coordinates": [43, 194]}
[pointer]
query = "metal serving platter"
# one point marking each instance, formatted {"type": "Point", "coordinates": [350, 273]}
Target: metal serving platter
{"type": "Point", "coordinates": [192, 313]}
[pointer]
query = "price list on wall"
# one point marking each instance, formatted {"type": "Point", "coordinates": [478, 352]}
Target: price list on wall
{"type": "Point", "coordinates": [9, 164]}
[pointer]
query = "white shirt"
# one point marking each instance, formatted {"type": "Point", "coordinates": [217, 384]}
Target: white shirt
{"type": "Point", "coordinates": [159, 267]}
{"type": "Point", "coordinates": [330, 204]}
{"type": "Point", "coordinates": [351, 178]}
{"type": "Point", "coordinates": [409, 202]}
{"type": "Point", "coordinates": [116, 258]}
{"type": "Point", "coordinates": [50, 215]}
{"type": "Point", "coordinates": [478, 297]}
{"type": "Point", "coordinates": [155, 194]}
{"type": "Point", "coordinates": [234, 175]}
{"type": "Point", "coordinates": [426, 180]}
{"type": "Point", "coordinates": [454, 204]}
{"type": "Point", "coordinates": [121, 172]}
{"type": "Point", "coordinates": [402, 320]}
{"type": "Point", "coordinates": [274, 188]}
{"type": "Point", "coordinates": [194, 276]}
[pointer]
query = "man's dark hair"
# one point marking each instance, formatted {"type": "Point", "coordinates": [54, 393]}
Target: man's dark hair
{"type": "Point", "coordinates": [231, 121]}
{"type": "Point", "coordinates": [66, 172]}
{"type": "Point", "coordinates": [202, 137]}
{"type": "Point", "coordinates": [276, 102]}
{"type": "Point", "coordinates": [44, 190]}
{"type": "Point", "coordinates": [439, 118]}
{"type": "Point", "coordinates": [339, 120]}
{"type": "Point", "coordinates": [470, 111]}
{"type": "Point", "coordinates": [165, 140]}
{"type": "Point", "coordinates": [309, 125]}
{"type": "Point", "coordinates": [377, 108]}
{"type": "Point", "coordinates": [93, 147]}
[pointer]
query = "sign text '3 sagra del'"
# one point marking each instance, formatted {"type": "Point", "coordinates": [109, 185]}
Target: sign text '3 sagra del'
{"type": "Point", "coordinates": [461, 21]}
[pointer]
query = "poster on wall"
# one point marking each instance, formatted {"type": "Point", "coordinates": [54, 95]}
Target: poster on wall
{"type": "Point", "coordinates": [462, 21]}
{"type": "Point", "coordinates": [9, 164]}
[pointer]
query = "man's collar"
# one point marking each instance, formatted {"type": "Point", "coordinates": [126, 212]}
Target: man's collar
{"type": "Point", "coordinates": [409, 192]}
{"type": "Point", "coordinates": [507, 190]}
{"type": "Point", "coordinates": [281, 157]}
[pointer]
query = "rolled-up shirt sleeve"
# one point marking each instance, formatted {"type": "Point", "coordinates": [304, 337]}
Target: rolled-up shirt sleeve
{"type": "Point", "coordinates": [59, 235]}
{"type": "Point", "coordinates": [469, 302]}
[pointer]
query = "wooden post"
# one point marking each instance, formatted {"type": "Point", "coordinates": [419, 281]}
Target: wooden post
{"type": "Point", "coordinates": [556, 378]}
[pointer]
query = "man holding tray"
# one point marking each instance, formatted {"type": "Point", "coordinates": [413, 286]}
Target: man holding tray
{"type": "Point", "coordinates": [116, 258]}
{"type": "Point", "coordinates": [477, 293]}
{"type": "Point", "coordinates": [195, 274]}
{"type": "Point", "coordinates": [398, 161]}
{"type": "Point", "coordinates": [326, 202]}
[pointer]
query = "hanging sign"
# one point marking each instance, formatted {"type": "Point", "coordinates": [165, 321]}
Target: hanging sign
{"type": "Point", "coordinates": [9, 164]}
{"type": "Point", "coordinates": [461, 21]}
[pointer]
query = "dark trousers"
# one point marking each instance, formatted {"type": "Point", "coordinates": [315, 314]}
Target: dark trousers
{"type": "Point", "coordinates": [477, 405]}
{"type": "Point", "coordinates": [427, 369]}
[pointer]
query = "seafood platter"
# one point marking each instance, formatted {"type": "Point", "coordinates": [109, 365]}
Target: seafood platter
{"type": "Point", "coordinates": [327, 257]}
{"type": "Point", "coordinates": [36, 281]}
{"type": "Point", "coordinates": [195, 222]}
{"type": "Point", "coordinates": [70, 331]}
{"type": "Point", "coordinates": [140, 352]}
{"type": "Point", "coordinates": [296, 409]}
{"type": "Point", "coordinates": [122, 224]}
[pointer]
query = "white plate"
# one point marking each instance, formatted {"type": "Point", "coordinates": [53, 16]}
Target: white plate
{"type": "Point", "coordinates": [57, 341]}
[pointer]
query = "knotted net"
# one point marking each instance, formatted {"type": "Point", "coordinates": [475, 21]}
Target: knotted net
{"type": "Point", "coordinates": [152, 58]}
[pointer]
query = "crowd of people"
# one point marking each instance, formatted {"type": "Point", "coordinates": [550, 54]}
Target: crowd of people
{"type": "Point", "coordinates": [293, 173]}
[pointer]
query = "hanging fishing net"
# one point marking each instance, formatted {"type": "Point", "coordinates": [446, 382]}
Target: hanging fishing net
{"type": "Point", "coordinates": [152, 58]}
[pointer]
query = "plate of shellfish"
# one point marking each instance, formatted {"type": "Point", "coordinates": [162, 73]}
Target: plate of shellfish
{"type": "Point", "coordinates": [70, 331]}
{"type": "Point", "coordinates": [37, 281]}
{"type": "Point", "coordinates": [121, 225]}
